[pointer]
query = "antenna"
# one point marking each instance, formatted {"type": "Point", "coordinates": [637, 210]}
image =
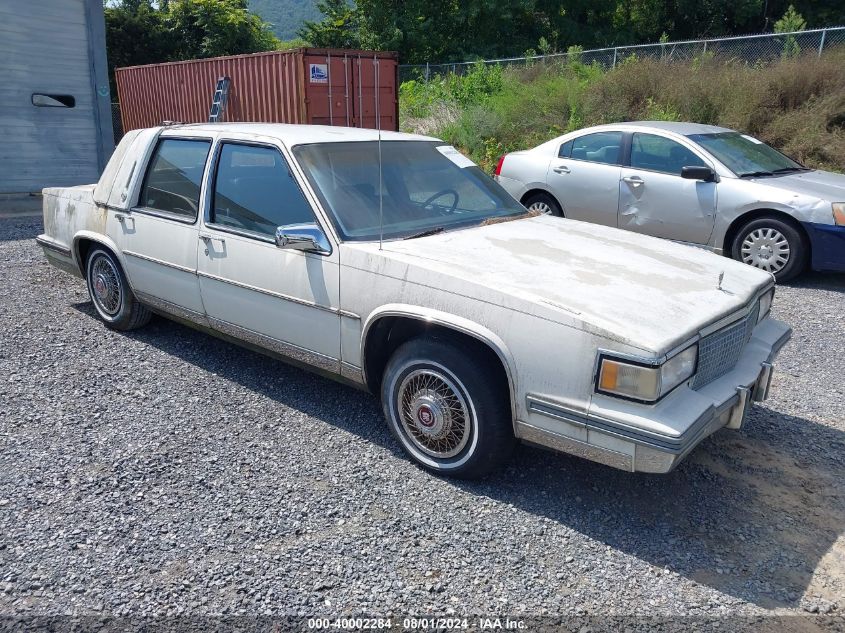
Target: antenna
{"type": "Point", "coordinates": [380, 172]}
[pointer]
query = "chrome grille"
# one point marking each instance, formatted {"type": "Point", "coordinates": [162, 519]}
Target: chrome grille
{"type": "Point", "coordinates": [719, 352]}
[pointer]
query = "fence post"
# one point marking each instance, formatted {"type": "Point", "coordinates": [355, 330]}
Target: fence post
{"type": "Point", "coordinates": [705, 49]}
{"type": "Point", "coordinates": [427, 71]}
{"type": "Point", "coordinates": [614, 57]}
{"type": "Point", "coordinates": [821, 44]}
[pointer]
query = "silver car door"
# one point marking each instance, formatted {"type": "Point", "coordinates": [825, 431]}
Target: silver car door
{"type": "Point", "coordinates": [585, 177]}
{"type": "Point", "coordinates": [654, 199]}
{"type": "Point", "coordinates": [283, 299]}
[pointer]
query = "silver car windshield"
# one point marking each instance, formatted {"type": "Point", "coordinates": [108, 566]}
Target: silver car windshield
{"type": "Point", "coordinates": [744, 155]}
{"type": "Point", "coordinates": [425, 187]}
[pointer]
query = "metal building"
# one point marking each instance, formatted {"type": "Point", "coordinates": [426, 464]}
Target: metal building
{"type": "Point", "coordinates": [55, 112]}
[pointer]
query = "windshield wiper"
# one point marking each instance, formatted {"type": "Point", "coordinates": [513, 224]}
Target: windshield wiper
{"type": "Point", "coordinates": [753, 174]}
{"type": "Point", "coordinates": [426, 233]}
{"type": "Point", "coordinates": [786, 170]}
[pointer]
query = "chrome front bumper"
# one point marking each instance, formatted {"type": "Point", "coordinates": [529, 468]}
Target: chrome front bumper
{"type": "Point", "coordinates": [656, 438]}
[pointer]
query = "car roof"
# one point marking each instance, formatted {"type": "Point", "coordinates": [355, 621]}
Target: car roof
{"type": "Point", "coordinates": [678, 127]}
{"type": "Point", "coordinates": [299, 134]}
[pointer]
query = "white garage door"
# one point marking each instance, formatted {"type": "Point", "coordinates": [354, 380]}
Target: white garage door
{"type": "Point", "coordinates": [44, 50]}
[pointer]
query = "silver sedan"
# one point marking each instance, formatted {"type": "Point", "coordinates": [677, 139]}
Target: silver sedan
{"type": "Point", "coordinates": [700, 184]}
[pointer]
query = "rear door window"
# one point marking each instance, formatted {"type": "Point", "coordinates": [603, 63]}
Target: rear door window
{"type": "Point", "coordinates": [173, 178]}
{"type": "Point", "coordinates": [599, 147]}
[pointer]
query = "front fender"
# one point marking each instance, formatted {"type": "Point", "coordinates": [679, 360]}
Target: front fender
{"type": "Point", "coordinates": [450, 321]}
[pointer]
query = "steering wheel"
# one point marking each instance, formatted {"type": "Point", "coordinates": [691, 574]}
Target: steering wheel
{"type": "Point", "coordinates": [444, 192]}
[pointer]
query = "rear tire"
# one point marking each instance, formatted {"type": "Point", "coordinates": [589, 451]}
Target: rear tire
{"type": "Point", "coordinates": [772, 245]}
{"type": "Point", "coordinates": [544, 203]}
{"type": "Point", "coordinates": [447, 408]}
{"type": "Point", "coordinates": [110, 293]}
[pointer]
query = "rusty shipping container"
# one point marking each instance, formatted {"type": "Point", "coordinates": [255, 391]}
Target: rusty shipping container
{"type": "Point", "coordinates": [305, 85]}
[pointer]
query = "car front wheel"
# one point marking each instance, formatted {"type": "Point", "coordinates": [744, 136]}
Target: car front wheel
{"type": "Point", "coordinates": [448, 408]}
{"type": "Point", "coordinates": [771, 245]}
{"type": "Point", "coordinates": [110, 293]}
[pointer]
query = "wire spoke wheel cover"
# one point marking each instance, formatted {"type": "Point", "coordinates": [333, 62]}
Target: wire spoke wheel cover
{"type": "Point", "coordinates": [434, 413]}
{"type": "Point", "coordinates": [106, 289]}
{"type": "Point", "coordinates": [766, 248]}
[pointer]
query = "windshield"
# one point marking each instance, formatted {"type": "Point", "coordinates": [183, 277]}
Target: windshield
{"type": "Point", "coordinates": [425, 186]}
{"type": "Point", "coordinates": [744, 155]}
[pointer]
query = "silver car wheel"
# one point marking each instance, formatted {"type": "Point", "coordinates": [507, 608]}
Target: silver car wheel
{"type": "Point", "coordinates": [434, 413]}
{"type": "Point", "coordinates": [106, 290]}
{"type": "Point", "coordinates": [541, 207]}
{"type": "Point", "coordinates": [766, 248]}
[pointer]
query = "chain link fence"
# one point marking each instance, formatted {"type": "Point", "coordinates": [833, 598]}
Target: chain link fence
{"type": "Point", "coordinates": [752, 49]}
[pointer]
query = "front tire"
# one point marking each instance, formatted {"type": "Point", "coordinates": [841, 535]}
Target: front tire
{"type": "Point", "coordinates": [772, 245]}
{"type": "Point", "coordinates": [447, 408]}
{"type": "Point", "coordinates": [543, 203]}
{"type": "Point", "coordinates": [110, 293]}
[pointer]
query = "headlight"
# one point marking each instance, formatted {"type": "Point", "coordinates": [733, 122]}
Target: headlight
{"type": "Point", "coordinates": [839, 213]}
{"type": "Point", "coordinates": [647, 383]}
{"type": "Point", "coordinates": [766, 304]}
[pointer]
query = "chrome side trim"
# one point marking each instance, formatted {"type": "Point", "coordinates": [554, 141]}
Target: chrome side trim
{"type": "Point", "coordinates": [161, 262]}
{"type": "Point", "coordinates": [352, 372]}
{"type": "Point", "coordinates": [555, 411]}
{"type": "Point", "coordinates": [299, 354]}
{"type": "Point", "coordinates": [178, 311]}
{"type": "Point", "coordinates": [46, 242]}
{"type": "Point", "coordinates": [271, 293]}
{"type": "Point", "coordinates": [542, 437]}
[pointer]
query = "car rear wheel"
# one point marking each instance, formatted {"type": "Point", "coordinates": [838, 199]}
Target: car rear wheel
{"type": "Point", "coordinates": [110, 293]}
{"type": "Point", "coordinates": [771, 245]}
{"type": "Point", "coordinates": [543, 203]}
{"type": "Point", "coordinates": [449, 410]}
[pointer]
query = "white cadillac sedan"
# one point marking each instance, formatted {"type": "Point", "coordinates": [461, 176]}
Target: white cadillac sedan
{"type": "Point", "coordinates": [699, 184]}
{"type": "Point", "coordinates": [399, 267]}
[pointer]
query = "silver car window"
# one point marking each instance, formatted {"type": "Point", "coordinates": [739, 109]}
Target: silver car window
{"type": "Point", "coordinates": [658, 153]}
{"type": "Point", "coordinates": [599, 147]}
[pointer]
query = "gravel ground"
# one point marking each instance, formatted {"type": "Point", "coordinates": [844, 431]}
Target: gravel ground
{"type": "Point", "coordinates": [165, 472]}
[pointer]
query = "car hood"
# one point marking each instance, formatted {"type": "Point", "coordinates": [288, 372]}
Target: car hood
{"type": "Point", "coordinates": [816, 184]}
{"type": "Point", "coordinates": [646, 292]}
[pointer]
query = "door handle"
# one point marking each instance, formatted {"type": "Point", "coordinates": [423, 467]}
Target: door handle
{"type": "Point", "coordinates": [634, 181]}
{"type": "Point", "coordinates": [209, 238]}
{"type": "Point", "coordinates": [561, 169]}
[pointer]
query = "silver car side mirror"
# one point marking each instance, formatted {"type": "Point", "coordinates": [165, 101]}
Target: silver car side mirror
{"type": "Point", "coordinates": [307, 237]}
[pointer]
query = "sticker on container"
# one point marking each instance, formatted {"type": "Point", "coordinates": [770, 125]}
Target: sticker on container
{"type": "Point", "coordinates": [752, 139]}
{"type": "Point", "coordinates": [319, 73]}
{"type": "Point", "coordinates": [455, 156]}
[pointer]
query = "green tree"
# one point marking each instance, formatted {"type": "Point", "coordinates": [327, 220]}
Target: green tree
{"type": "Point", "coordinates": [339, 28]}
{"type": "Point", "coordinates": [148, 32]}
{"type": "Point", "coordinates": [791, 22]}
{"type": "Point", "coordinates": [210, 28]}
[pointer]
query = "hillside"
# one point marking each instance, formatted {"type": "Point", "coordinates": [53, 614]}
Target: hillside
{"type": "Point", "coordinates": [286, 16]}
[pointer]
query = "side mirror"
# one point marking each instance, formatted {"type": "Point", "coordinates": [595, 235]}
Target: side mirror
{"type": "Point", "coordinates": [698, 173]}
{"type": "Point", "coordinates": [303, 237]}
